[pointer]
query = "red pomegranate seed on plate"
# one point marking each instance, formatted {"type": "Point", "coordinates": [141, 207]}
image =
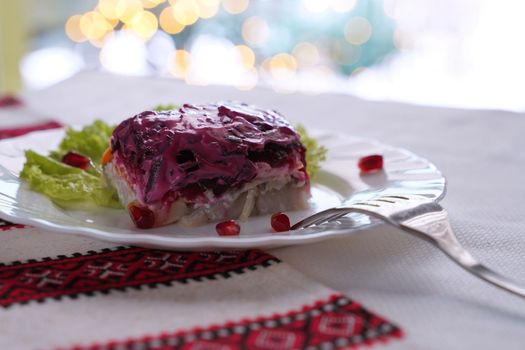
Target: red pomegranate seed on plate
{"type": "Point", "coordinates": [280, 222]}
{"type": "Point", "coordinates": [371, 164]}
{"type": "Point", "coordinates": [228, 228]}
{"type": "Point", "coordinates": [142, 217]}
{"type": "Point", "coordinates": [76, 160]}
{"type": "Point", "coordinates": [10, 101]}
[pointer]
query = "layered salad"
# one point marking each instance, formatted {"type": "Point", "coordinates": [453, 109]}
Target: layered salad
{"type": "Point", "coordinates": [209, 162]}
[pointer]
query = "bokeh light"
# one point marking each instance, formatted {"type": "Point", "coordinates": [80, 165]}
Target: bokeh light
{"type": "Point", "coordinates": [235, 6]}
{"type": "Point", "coordinates": [247, 56]}
{"type": "Point", "coordinates": [159, 49]}
{"type": "Point", "coordinates": [108, 8]}
{"type": "Point", "coordinates": [186, 12]}
{"type": "Point", "coordinates": [168, 23]}
{"type": "Point", "coordinates": [344, 53]}
{"type": "Point", "coordinates": [390, 8]}
{"type": "Point", "coordinates": [94, 26]}
{"type": "Point", "coordinates": [128, 10]}
{"type": "Point", "coordinates": [358, 30]}
{"type": "Point", "coordinates": [49, 66]}
{"type": "Point", "coordinates": [144, 25]}
{"type": "Point", "coordinates": [208, 8]}
{"type": "Point", "coordinates": [343, 5]}
{"type": "Point", "coordinates": [255, 31]}
{"type": "Point", "coordinates": [179, 64]}
{"type": "Point", "coordinates": [234, 47]}
{"type": "Point", "coordinates": [149, 4]}
{"type": "Point", "coordinates": [99, 43]}
{"type": "Point", "coordinates": [124, 53]}
{"type": "Point", "coordinates": [316, 6]}
{"type": "Point", "coordinates": [73, 30]}
{"type": "Point", "coordinates": [282, 65]}
{"type": "Point", "coordinates": [306, 54]}
{"type": "Point", "coordinates": [402, 40]}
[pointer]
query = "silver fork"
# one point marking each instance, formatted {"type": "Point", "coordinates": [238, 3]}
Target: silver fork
{"type": "Point", "coordinates": [423, 218]}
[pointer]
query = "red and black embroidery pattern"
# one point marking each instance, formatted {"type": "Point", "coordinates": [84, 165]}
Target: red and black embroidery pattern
{"type": "Point", "coordinates": [7, 133]}
{"type": "Point", "coordinates": [118, 269]}
{"type": "Point", "coordinates": [329, 324]}
{"type": "Point", "coordinates": [6, 225]}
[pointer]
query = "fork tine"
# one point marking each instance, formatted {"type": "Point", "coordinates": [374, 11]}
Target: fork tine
{"type": "Point", "coordinates": [397, 197]}
{"type": "Point", "coordinates": [318, 218]}
{"type": "Point", "coordinates": [328, 218]}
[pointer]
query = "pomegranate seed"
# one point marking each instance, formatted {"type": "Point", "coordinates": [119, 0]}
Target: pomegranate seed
{"type": "Point", "coordinates": [142, 217]}
{"type": "Point", "coordinates": [228, 228]}
{"type": "Point", "coordinates": [76, 160]}
{"type": "Point", "coordinates": [280, 222]}
{"type": "Point", "coordinates": [9, 101]}
{"type": "Point", "coordinates": [371, 164]}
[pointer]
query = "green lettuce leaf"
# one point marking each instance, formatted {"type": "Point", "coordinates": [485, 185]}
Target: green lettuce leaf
{"type": "Point", "coordinates": [315, 153]}
{"type": "Point", "coordinates": [168, 107]}
{"type": "Point", "coordinates": [65, 185]}
{"type": "Point", "coordinates": [68, 186]}
{"type": "Point", "coordinates": [91, 141]}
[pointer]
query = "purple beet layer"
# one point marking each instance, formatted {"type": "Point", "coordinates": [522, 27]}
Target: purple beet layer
{"type": "Point", "coordinates": [198, 147]}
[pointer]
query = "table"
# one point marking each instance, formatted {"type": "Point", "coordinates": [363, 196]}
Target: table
{"type": "Point", "coordinates": [481, 152]}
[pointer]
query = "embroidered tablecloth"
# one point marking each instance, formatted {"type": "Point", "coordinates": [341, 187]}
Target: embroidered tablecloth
{"type": "Point", "coordinates": [435, 303]}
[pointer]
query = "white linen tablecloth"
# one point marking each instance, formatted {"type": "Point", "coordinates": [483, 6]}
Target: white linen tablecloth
{"type": "Point", "coordinates": [482, 154]}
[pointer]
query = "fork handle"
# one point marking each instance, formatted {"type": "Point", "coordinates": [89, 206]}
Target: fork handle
{"type": "Point", "coordinates": [464, 259]}
{"type": "Point", "coordinates": [495, 278]}
{"type": "Point", "coordinates": [441, 235]}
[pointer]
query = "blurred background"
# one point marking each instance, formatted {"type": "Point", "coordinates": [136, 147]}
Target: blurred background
{"type": "Point", "coordinates": [459, 53]}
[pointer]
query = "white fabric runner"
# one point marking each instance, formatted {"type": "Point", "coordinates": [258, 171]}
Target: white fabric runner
{"type": "Point", "coordinates": [482, 153]}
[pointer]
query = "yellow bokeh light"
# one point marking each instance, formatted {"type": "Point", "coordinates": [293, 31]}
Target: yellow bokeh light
{"type": "Point", "coordinates": [72, 29]}
{"type": "Point", "coordinates": [255, 31]}
{"type": "Point", "coordinates": [265, 65]}
{"type": "Point", "coordinates": [128, 10]}
{"type": "Point", "coordinates": [247, 55]}
{"type": "Point", "coordinates": [149, 4]}
{"type": "Point", "coordinates": [98, 42]}
{"type": "Point", "coordinates": [168, 22]}
{"type": "Point", "coordinates": [282, 64]}
{"type": "Point", "coordinates": [358, 30]}
{"type": "Point", "coordinates": [235, 6]}
{"type": "Point", "coordinates": [94, 26]}
{"type": "Point", "coordinates": [179, 63]}
{"type": "Point", "coordinates": [209, 2]}
{"type": "Point", "coordinates": [108, 8]}
{"type": "Point", "coordinates": [208, 8]}
{"type": "Point", "coordinates": [343, 5]}
{"type": "Point", "coordinates": [186, 12]}
{"type": "Point", "coordinates": [144, 25]}
{"type": "Point", "coordinates": [112, 22]}
{"type": "Point", "coordinates": [306, 54]}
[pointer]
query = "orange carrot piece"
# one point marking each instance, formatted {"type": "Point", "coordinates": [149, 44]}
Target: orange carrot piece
{"type": "Point", "coordinates": [107, 156]}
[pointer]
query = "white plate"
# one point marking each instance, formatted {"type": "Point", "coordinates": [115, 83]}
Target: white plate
{"type": "Point", "coordinates": [340, 179]}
